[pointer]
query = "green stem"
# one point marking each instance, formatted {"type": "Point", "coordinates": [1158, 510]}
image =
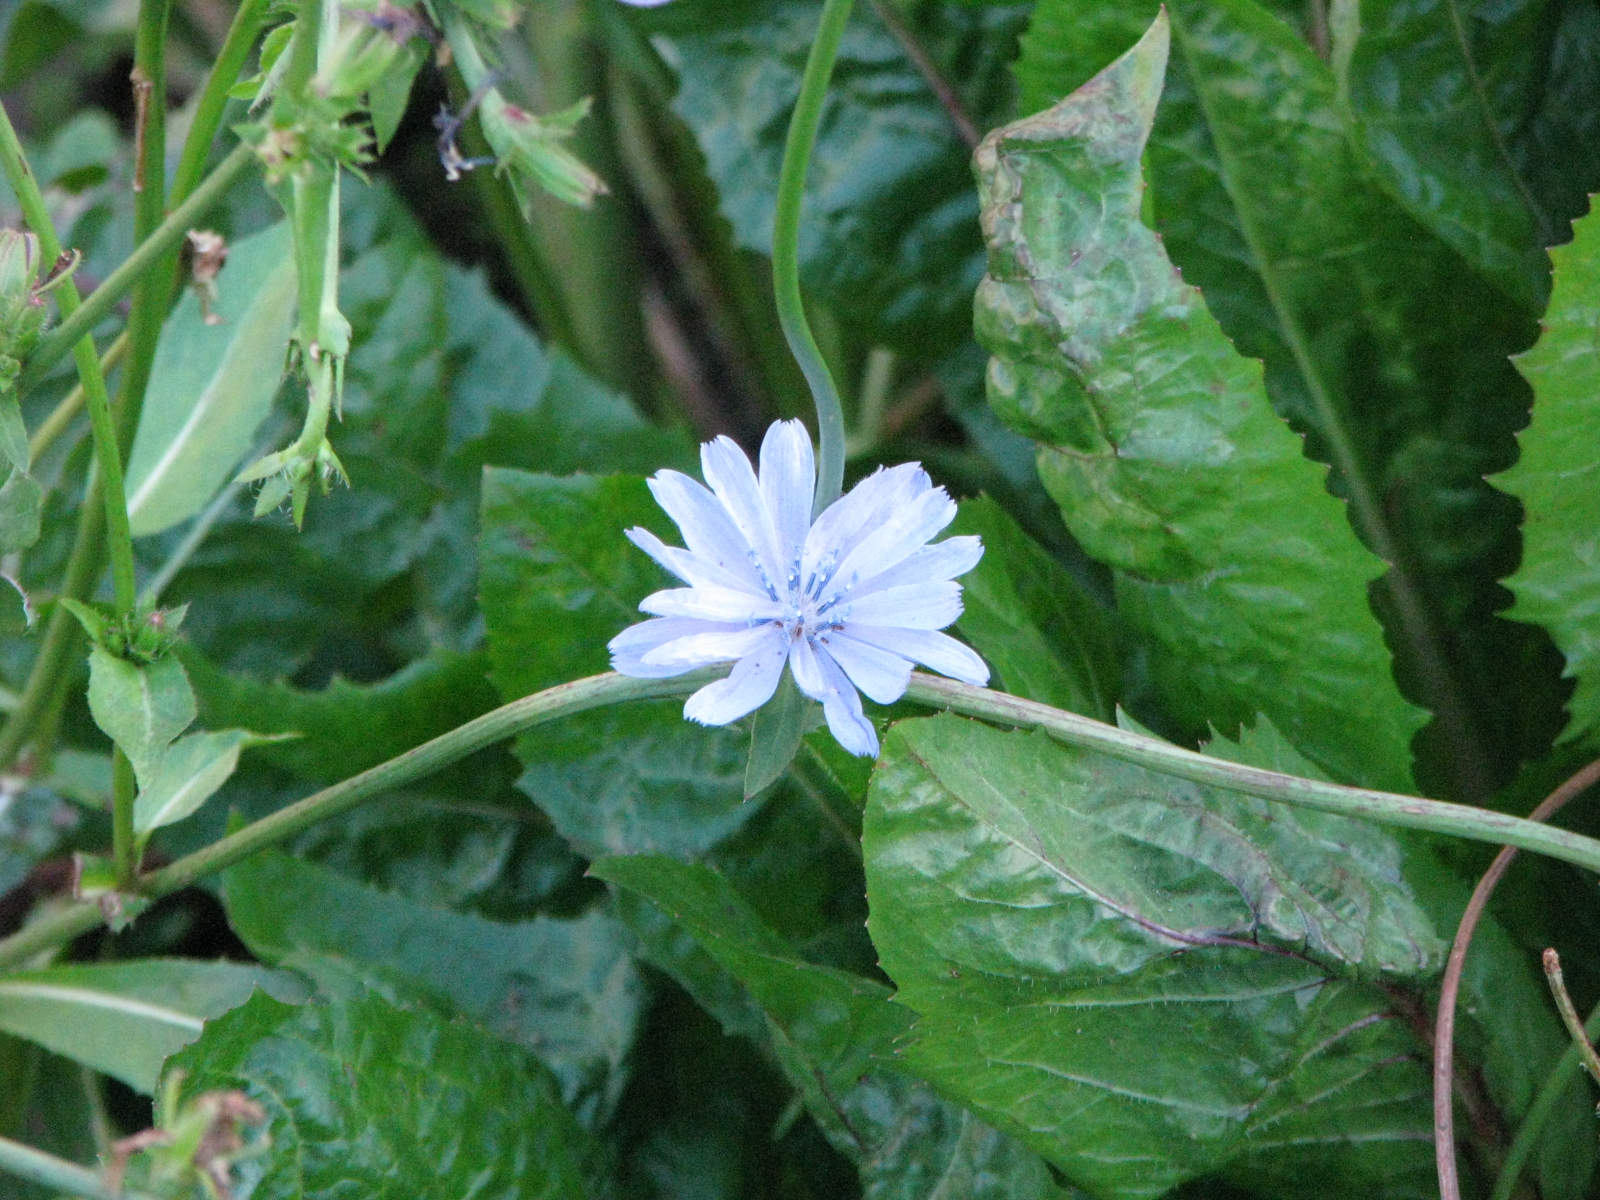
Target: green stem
{"type": "Point", "coordinates": [786, 251]}
{"type": "Point", "coordinates": [124, 845]}
{"type": "Point", "coordinates": [108, 456]}
{"type": "Point", "coordinates": [597, 691]}
{"type": "Point", "coordinates": [247, 25]}
{"type": "Point", "coordinates": [152, 294]}
{"type": "Point", "coordinates": [66, 412]}
{"type": "Point", "coordinates": [54, 345]}
{"type": "Point", "coordinates": [1550, 1094]}
{"type": "Point", "coordinates": [57, 1174]}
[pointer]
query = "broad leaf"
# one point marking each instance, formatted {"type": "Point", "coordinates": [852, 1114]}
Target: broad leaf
{"type": "Point", "coordinates": [1162, 448]}
{"type": "Point", "coordinates": [565, 990]}
{"type": "Point", "coordinates": [558, 582]}
{"type": "Point", "coordinates": [1130, 972]}
{"type": "Point", "coordinates": [212, 384]}
{"type": "Point", "coordinates": [1556, 479]}
{"type": "Point", "coordinates": [346, 727]}
{"type": "Point", "coordinates": [192, 770]}
{"type": "Point", "coordinates": [20, 501]}
{"type": "Point", "coordinates": [1473, 115]}
{"type": "Point", "coordinates": [1039, 628]}
{"type": "Point", "coordinates": [1381, 344]}
{"type": "Point", "coordinates": [140, 708]}
{"type": "Point", "coordinates": [126, 1019]}
{"type": "Point", "coordinates": [828, 1027]}
{"type": "Point", "coordinates": [366, 1098]}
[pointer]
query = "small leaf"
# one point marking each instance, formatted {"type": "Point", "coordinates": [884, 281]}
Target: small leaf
{"type": "Point", "coordinates": [125, 1019]}
{"type": "Point", "coordinates": [140, 708]}
{"type": "Point", "coordinates": [192, 770]}
{"type": "Point", "coordinates": [211, 385]}
{"type": "Point", "coordinates": [20, 502]}
{"type": "Point", "coordinates": [388, 97]}
{"type": "Point", "coordinates": [13, 433]}
{"type": "Point", "coordinates": [776, 732]}
{"type": "Point", "coordinates": [364, 1098]}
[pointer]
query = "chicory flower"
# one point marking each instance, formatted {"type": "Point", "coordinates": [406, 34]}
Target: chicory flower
{"type": "Point", "coordinates": [849, 601]}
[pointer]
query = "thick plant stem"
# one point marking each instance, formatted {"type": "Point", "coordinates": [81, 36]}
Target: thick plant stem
{"type": "Point", "coordinates": [786, 251]}
{"type": "Point", "coordinates": [597, 691]}
{"type": "Point", "coordinates": [1444, 1029]}
{"type": "Point", "coordinates": [57, 1174]}
{"type": "Point", "coordinates": [248, 22]}
{"type": "Point", "coordinates": [108, 456]}
{"type": "Point", "coordinates": [55, 344]}
{"type": "Point", "coordinates": [124, 848]}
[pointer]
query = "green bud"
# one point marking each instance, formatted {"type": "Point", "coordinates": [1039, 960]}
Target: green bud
{"type": "Point", "coordinates": [530, 149]}
{"type": "Point", "coordinates": [23, 315]}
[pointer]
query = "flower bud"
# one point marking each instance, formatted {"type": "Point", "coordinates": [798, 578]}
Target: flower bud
{"type": "Point", "coordinates": [530, 148]}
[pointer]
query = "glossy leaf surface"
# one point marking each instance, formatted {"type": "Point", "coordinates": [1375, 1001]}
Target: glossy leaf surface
{"type": "Point", "coordinates": [1162, 449]}
{"type": "Point", "coordinates": [126, 1019]}
{"type": "Point", "coordinates": [390, 1102]}
{"type": "Point", "coordinates": [566, 991]}
{"type": "Point", "coordinates": [1134, 975]}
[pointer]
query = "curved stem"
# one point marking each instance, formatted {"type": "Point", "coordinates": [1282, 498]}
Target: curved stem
{"type": "Point", "coordinates": [1444, 1029]}
{"type": "Point", "coordinates": [1539, 1112]}
{"type": "Point", "coordinates": [597, 691]}
{"type": "Point", "coordinates": [247, 24]}
{"type": "Point", "coordinates": [54, 345]}
{"type": "Point", "coordinates": [57, 1174]}
{"type": "Point", "coordinates": [108, 456]}
{"type": "Point", "coordinates": [786, 251]}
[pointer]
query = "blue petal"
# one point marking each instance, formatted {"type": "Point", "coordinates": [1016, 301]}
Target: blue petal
{"type": "Point", "coordinates": [731, 478]}
{"type": "Point", "coordinates": [702, 649]}
{"type": "Point", "coordinates": [881, 675]}
{"type": "Point", "coordinates": [687, 566]}
{"type": "Point", "coordinates": [913, 606]}
{"type": "Point", "coordinates": [630, 646]}
{"type": "Point", "coordinates": [750, 685]}
{"type": "Point", "coordinates": [927, 564]}
{"type": "Point", "coordinates": [711, 604]}
{"type": "Point", "coordinates": [901, 535]}
{"type": "Point", "coordinates": [856, 514]}
{"type": "Point", "coordinates": [936, 651]}
{"type": "Point", "coordinates": [789, 486]}
{"type": "Point", "coordinates": [708, 530]}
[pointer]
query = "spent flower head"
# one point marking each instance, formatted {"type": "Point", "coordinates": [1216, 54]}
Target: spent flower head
{"type": "Point", "coordinates": [849, 601]}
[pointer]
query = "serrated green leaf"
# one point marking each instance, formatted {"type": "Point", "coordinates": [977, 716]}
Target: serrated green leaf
{"type": "Point", "coordinates": [140, 708]}
{"type": "Point", "coordinates": [1039, 629]}
{"type": "Point", "coordinates": [212, 384]}
{"type": "Point", "coordinates": [1162, 448]}
{"type": "Point", "coordinates": [1123, 970]}
{"type": "Point", "coordinates": [346, 727]}
{"type": "Point", "coordinates": [1381, 344]}
{"type": "Point", "coordinates": [1471, 114]}
{"type": "Point", "coordinates": [387, 1102]}
{"type": "Point", "coordinates": [126, 1019]}
{"type": "Point", "coordinates": [1557, 480]}
{"type": "Point", "coordinates": [191, 771]}
{"type": "Point", "coordinates": [565, 990]}
{"type": "Point", "coordinates": [829, 1029]}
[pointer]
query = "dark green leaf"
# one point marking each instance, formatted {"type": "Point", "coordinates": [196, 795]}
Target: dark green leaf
{"type": "Point", "coordinates": [776, 732]}
{"type": "Point", "coordinates": [369, 1099]}
{"type": "Point", "coordinates": [564, 990]}
{"type": "Point", "coordinates": [125, 1019]}
{"type": "Point", "coordinates": [212, 384]}
{"type": "Point", "coordinates": [1127, 971]}
{"type": "Point", "coordinates": [20, 501]}
{"type": "Point", "coordinates": [1475, 116]}
{"type": "Point", "coordinates": [345, 727]}
{"type": "Point", "coordinates": [1558, 585]}
{"type": "Point", "coordinates": [1041, 631]}
{"type": "Point", "coordinates": [1162, 448]}
{"type": "Point", "coordinates": [828, 1028]}
{"type": "Point", "coordinates": [1381, 344]}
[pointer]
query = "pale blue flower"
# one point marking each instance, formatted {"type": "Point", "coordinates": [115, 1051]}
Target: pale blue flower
{"type": "Point", "coordinates": [850, 601]}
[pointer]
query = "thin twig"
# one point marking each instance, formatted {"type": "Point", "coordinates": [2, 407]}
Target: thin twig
{"type": "Point", "coordinates": [1444, 1133]}
{"type": "Point", "coordinates": [947, 96]}
{"type": "Point", "coordinates": [1569, 1014]}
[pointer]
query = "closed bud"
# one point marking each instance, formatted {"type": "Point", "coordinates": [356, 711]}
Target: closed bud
{"type": "Point", "coordinates": [531, 149]}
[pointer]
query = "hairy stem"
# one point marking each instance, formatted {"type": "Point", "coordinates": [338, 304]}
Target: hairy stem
{"type": "Point", "coordinates": [597, 691]}
{"type": "Point", "coordinates": [55, 344]}
{"type": "Point", "coordinates": [1444, 1030]}
{"type": "Point", "coordinates": [786, 251]}
{"type": "Point", "coordinates": [57, 1174]}
{"type": "Point", "coordinates": [108, 456]}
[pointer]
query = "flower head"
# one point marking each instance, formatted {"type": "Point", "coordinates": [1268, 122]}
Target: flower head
{"type": "Point", "coordinates": [849, 601]}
